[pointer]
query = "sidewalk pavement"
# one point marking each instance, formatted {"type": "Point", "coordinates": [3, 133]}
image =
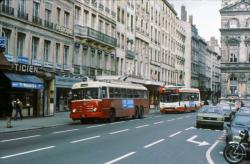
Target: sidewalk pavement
{"type": "Point", "coordinates": [60, 118]}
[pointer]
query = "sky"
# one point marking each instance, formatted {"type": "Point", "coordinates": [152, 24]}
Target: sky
{"type": "Point", "coordinates": [205, 13]}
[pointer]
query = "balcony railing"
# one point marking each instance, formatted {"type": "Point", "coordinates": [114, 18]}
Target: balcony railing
{"type": "Point", "coordinates": [130, 54]}
{"type": "Point", "coordinates": [88, 32]}
{"type": "Point", "coordinates": [7, 10]}
{"type": "Point", "coordinates": [23, 15]}
{"type": "Point", "coordinates": [37, 20]}
{"type": "Point", "coordinates": [48, 24]}
{"type": "Point", "coordinates": [63, 29]}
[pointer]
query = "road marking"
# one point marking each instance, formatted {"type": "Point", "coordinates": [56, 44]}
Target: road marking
{"type": "Point", "coordinates": [179, 118]}
{"type": "Point", "coordinates": [171, 120]}
{"type": "Point", "coordinates": [160, 122]}
{"type": "Point", "coordinates": [190, 128]}
{"type": "Point", "coordinates": [172, 135]}
{"type": "Point", "coordinates": [119, 131]}
{"type": "Point", "coordinates": [85, 139]}
{"type": "Point", "coordinates": [154, 143]}
{"type": "Point", "coordinates": [116, 122]}
{"type": "Point", "coordinates": [95, 126]}
{"type": "Point", "coordinates": [187, 116]}
{"type": "Point", "coordinates": [203, 143]}
{"type": "Point", "coordinates": [27, 152]}
{"type": "Point", "coordinates": [142, 126]}
{"type": "Point", "coordinates": [221, 152]}
{"type": "Point", "coordinates": [120, 158]}
{"type": "Point", "coordinates": [157, 116]}
{"type": "Point", "coordinates": [14, 139]}
{"type": "Point", "coordinates": [208, 153]}
{"type": "Point", "coordinates": [65, 131]}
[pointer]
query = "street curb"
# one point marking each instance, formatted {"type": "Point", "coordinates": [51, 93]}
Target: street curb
{"type": "Point", "coordinates": [33, 128]}
{"type": "Point", "coordinates": [51, 126]}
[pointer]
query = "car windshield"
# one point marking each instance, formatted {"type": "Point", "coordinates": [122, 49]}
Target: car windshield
{"type": "Point", "coordinates": [211, 110]}
{"type": "Point", "coordinates": [241, 120]}
{"type": "Point", "coordinates": [85, 93]}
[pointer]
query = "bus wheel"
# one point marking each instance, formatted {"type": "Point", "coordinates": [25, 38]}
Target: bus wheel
{"type": "Point", "coordinates": [112, 115]}
{"type": "Point", "coordinates": [141, 112]}
{"type": "Point", "coordinates": [137, 112]}
{"type": "Point", "coordinates": [83, 121]}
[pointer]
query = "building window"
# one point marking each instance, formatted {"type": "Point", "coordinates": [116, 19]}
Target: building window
{"type": "Point", "coordinates": [123, 19]}
{"type": "Point", "coordinates": [248, 23]}
{"type": "Point", "coordinates": [47, 15]}
{"type": "Point", "coordinates": [233, 54]}
{"type": "Point", "coordinates": [66, 19]}
{"type": "Point", "coordinates": [233, 85]}
{"type": "Point", "coordinates": [20, 44]}
{"type": "Point", "coordinates": [233, 23]}
{"type": "Point", "coordinates": [65, 54]}
{"type": "Point", "coordinates": [248, 51]}
{"type": "Point", "coordinates": [93, 20]}
{"type": "Point", "coordinates": [36, 7]}
{"type": "Point", "coordinates": [132, 23]}
{"type": "Point", "coordinates": [118, 14]}
{"type": "Point", "coordinates": [21, 6]}
{"type": "Point", "coordinates": [58, 15]}
{"type": "Point", "coordinates": [77, 14]}
{"type": "Point", "coordinates": [35, 45]}
{"type": "Point", "coordinates": [86, 15]}
{"type": "Point", "coordinates": [57, 52]}
{"type": "Point", "coordinates": [46, 50]}
{"type": "Point", "coordinates": [118, 39]}
{"type": "Point", "coordinates": [100, 25]}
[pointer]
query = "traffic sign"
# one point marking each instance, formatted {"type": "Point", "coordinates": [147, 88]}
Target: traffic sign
{"type": "Point", "coordinates": [3, 42]}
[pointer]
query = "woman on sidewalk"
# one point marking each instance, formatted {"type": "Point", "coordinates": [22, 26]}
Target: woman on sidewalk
{"type": "Point", "coordinates": [19, 107]}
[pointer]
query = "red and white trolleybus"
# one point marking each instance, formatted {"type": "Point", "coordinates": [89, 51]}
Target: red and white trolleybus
{"type": "Point", "coordinates": [179, 99]}
{"type": "Point", "coordinates": [108, 100]}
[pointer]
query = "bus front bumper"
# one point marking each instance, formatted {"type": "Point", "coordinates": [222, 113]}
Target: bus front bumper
{"type": "Point", "coordinates": [87, 115]}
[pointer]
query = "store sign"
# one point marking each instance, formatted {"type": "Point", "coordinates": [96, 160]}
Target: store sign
{"type": "Point", "coordinates": [23, 60]}
{"type": "Point", "coordinates": [127, 104]}
{"type": "Point", "coordinates": [48, 64]}
{"type": "Point", "coordinates": [25, 68]}
{"type": "Point", "coordinates": [37, 62]}
{"type": "Point", "coordinates": [9, 57]}
{"type": "Point", "coordinates": [26, 85]}
{"type": "Point", "coordinates": [59, 66]}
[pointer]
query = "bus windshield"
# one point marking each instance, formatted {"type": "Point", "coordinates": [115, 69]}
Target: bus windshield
{"type": "Point", "coordinates": [85, 93]}
{"type": "Point", "coordinates": [170, 98]}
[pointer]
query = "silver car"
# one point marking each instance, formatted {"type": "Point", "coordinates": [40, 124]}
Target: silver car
{"type": "Point", "coordinates": [210, 115]}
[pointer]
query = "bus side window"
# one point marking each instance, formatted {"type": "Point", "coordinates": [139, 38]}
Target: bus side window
{"type": "Point", "coordinates": [117, 92]}
{"type": "Point", "coordinates": [111, 92]}
{"type": "Point", "coordinates": [104, 92]}
{"type": "Point", "coordinates": [123, 93]}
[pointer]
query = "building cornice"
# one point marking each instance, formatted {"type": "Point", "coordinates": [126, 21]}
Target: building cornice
{"type": "Point", "coordinates": [170, 7]}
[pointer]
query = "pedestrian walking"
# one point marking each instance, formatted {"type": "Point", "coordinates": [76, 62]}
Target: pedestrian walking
{"type": "Point", "coordinates": [19, 107]}
{"type": "Point", "coordinates": [5, 103]}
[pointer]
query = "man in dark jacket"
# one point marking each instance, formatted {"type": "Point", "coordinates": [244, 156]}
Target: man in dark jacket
{"type": "Point", "coordinates": [7, 107]}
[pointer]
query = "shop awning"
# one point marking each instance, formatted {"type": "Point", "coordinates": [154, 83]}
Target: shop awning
{"type": "Point", "coordinates": [24, 81]}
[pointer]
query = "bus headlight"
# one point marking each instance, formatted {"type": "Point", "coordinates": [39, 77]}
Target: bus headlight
{"type": "Point", "coordinates": [74, 110]}
{"type": "Point", "coordinates": [94, 109]}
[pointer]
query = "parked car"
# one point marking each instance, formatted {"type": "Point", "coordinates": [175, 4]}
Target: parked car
{"type": "Point", "coordinates": [210, 115]}
{"type": "Point", "coordinates": [227, 111]}
{"type": "Point", "coordinates": [239, 122]}
{"type": "Point", "coordinates": [244, 110]}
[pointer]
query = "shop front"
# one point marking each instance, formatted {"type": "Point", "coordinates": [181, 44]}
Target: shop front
{"type": "Point", "coordinates": [26, 87]}
{"type": "Point", "coordinates": [63, 87]}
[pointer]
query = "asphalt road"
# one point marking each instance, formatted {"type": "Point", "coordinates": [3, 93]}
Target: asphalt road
{"type": "Point", "coordinates": [156, 139]}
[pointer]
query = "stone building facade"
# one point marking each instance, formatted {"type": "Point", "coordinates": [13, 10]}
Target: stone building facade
{"type": "Point", "coordinates": [235, 49]}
